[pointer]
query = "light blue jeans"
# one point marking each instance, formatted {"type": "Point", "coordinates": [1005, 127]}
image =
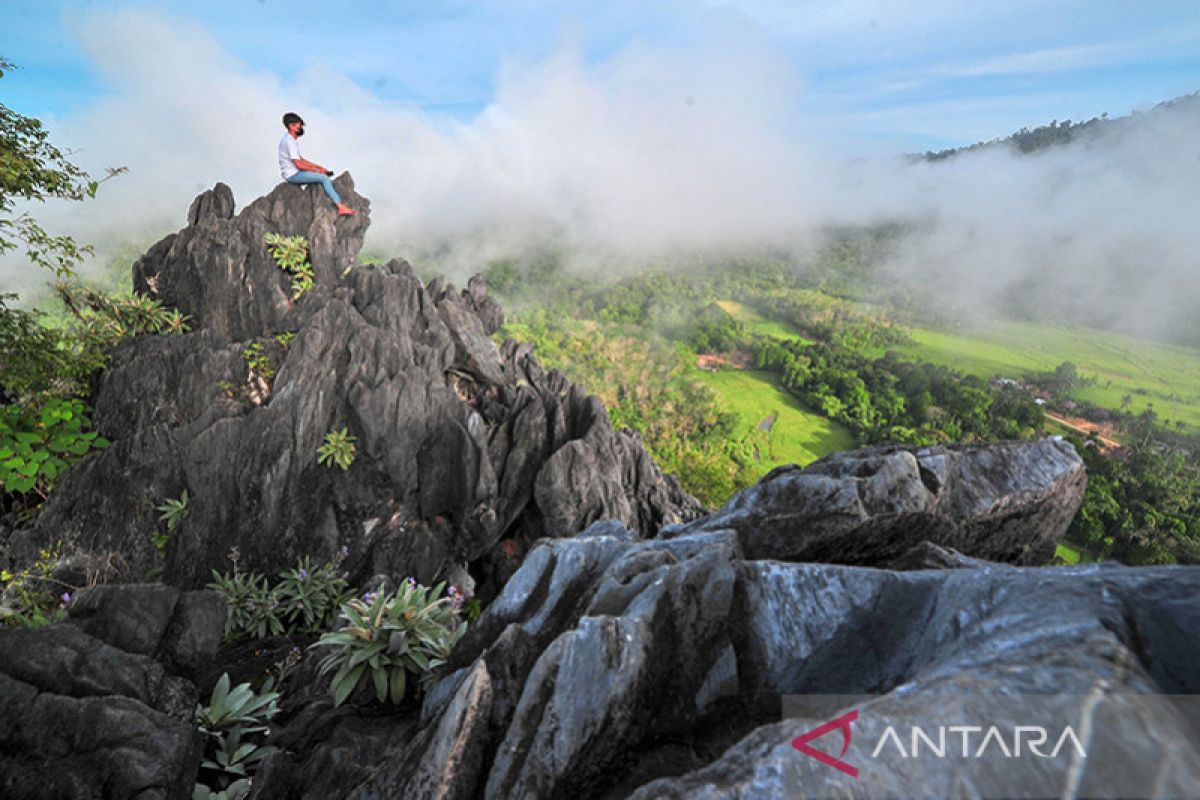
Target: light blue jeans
{"type": "Point", "coordinates": [316, 177]}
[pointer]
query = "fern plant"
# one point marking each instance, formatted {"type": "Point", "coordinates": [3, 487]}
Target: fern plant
{"type": "Point", "coordinates": [338, 449]}
{"type": "Point", "coordinates": [387, 636]}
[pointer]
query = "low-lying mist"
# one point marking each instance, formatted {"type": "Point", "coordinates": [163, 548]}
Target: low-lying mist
{"type": "Point", "coordinates": [649, 154]}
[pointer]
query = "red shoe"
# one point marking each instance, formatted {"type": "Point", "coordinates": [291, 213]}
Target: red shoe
{"type": "Point", "coordinates": [345, 211]}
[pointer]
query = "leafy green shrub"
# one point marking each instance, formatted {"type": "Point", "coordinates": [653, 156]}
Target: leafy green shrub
{"type": "Point", "coordinates": [37, 446]}
{"type": "Point", "coordinates": [101, 320]}
{"type": "Point", "coordinates": [252, 609]}
{"type": "Point", "coordinates": [37, 359]}
{"type": "Point", "coordinates": [338, 449]}
{"type": "Point", "coordinates": [302, 600]}
{"type": "Point", "coordinates": [291, 254]}
{"type": "Point", "coordinates": [233, 722]}
{"type": "Point", "coordinates": [310, 595]}
{"type": "Point", "coordinates": [32, 597]}
{"type": "Point", "coordinates": [237, 790]}
{"type": "Point", "coordinates": [387, 636]}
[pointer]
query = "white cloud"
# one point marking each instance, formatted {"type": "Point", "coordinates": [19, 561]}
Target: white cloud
{"type": "Point", "coordinates": [655, 149]}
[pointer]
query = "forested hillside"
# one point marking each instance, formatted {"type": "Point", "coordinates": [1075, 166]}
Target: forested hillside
{"type": "Point", "coordinates": [703, 359]}
{"type": "Point", "coordinates": [1058, 133]}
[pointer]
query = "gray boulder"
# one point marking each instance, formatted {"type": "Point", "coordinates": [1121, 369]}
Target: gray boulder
{"type": "Point", "coordinates": [1092, 647]}
{"type": "Point", "coordinates": [101, 706]}
{"type": "Point", "coordinates": [1008, 502]}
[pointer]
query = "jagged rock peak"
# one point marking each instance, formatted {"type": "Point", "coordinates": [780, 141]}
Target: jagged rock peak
{"type": "Point", "coordinates": [217, 269]}
{"type": "Point", "coordinates": [459, 444]}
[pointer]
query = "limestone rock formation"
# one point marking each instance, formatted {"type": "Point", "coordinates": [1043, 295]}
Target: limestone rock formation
{"type": "Point", "coordinates": [102, 705]}
{"type": "Point", "coordinates": [610, 668]}
{"type": "Point", "coordinates": [1008, 502]}
{"type": "Point", "coordinates": [459, 443]}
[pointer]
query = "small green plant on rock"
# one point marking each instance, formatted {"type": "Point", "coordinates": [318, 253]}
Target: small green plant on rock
{"type": "Point", "coordinates": [338, 449]}
{"type": "Point", "coordinates": [310, 595]}
{"type": "Point", "coordinates": [32, 597]}
{"type": "Point", "coordinates": [259, 361]}
{"type": "Point", "coordinates": [173, 512]}
{"type": "Point", "coordinates": [252, 609]}
{"type": "Point", "coordinates": [233, 723]}
{"type": "Point", "coordinates": [291, 254]}
{"type": "Point", "coordinates": [389, 635]}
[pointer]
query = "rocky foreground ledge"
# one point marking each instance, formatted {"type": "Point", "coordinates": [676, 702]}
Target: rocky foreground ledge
{"type": "Point", "coordinates": [632, 645]}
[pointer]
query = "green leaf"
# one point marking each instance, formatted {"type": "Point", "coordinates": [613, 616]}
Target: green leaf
{"type": "Point", "coordinates": [342, 689]}
{"type": "Point", "coordinates": [21, 485]}
{"type": "Point", "coordinates": [220, 691]}
{"type": "Point", "coordinates": [381, 684]}
{"type": "Point", "coordinates": [397, 685]}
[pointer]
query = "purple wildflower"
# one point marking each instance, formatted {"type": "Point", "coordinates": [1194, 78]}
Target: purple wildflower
{"type": "Point", "coordinates": [303, 574]}
{"type": "Point", "coordinates": [345, 551]}
{"type": "Point", "coordinates": [66, 597]}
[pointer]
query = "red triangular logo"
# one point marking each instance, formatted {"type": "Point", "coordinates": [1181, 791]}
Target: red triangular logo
{"type": "Point", "coordinates": [842, 723]}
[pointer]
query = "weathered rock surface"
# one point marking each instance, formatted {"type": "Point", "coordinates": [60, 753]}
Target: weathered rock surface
{"type": "Point", "coordinates": [609, 668]}
{"type": "Point", "coordinates": [99, 706]}
{"type": "Point", "coordinates": [459, 443]}
{"type": "Point", "coordinates": [1006, 502]}
{"type": "Point", "coordinates": [1089, 646]}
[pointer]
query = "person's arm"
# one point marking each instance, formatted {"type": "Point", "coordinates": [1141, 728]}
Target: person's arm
{"type": "Point", "coordinates": [309, 166]}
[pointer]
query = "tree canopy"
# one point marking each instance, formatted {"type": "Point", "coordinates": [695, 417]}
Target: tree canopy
{"type": "Point", "coordinates": [32, 168]}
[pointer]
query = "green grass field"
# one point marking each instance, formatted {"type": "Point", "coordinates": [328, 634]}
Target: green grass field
{"type": "Point", "coordinates": [1149, 372]}
{"type": "Point", "coordinates": [797, 436]}
{"type": "Point", "coordinates": [757, 323]}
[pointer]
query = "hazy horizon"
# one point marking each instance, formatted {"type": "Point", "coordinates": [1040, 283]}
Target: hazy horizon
{"type": "Point", "coordinates": [653, 148]}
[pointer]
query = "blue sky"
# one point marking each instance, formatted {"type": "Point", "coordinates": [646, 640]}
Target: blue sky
{"type": "Point", "coordinates": [621, 132]}
{"type": "Point", "coordinates": [874, 76]}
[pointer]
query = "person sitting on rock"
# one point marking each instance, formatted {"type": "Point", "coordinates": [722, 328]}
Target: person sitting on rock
{"type": "Point", "coordinates": [297, 170]}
